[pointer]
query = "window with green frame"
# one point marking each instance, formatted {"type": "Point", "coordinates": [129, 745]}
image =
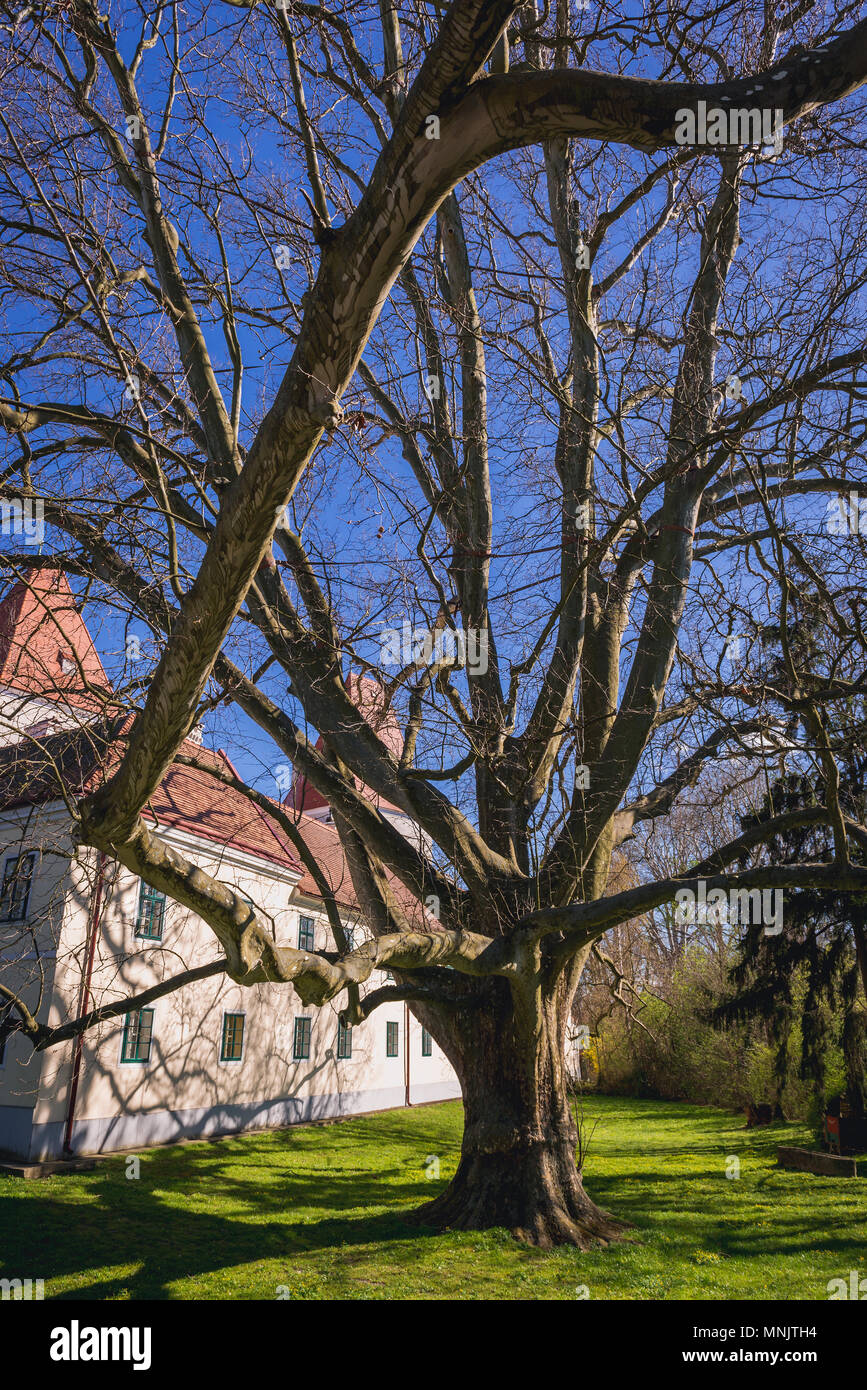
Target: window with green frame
{"type": "Point", "coordinates": [151, 913]}
{"type": "Point", "coordinates": [391, 1039]}
{"type": "Point", "coordinates": [306, 934]}
{"type": "Point", "coordinates": [15, 892]}
{"type": "Point", "coordinates": [232, 1049]}
{"type": "Point", "coordinates": [344, 1040]}
{"type": "Point", "coordinates": [301, 1041]}
{"type": "Point", "coordinates": [138, 1031]}
{"type": "Point", "coordinates": [426, 1043]}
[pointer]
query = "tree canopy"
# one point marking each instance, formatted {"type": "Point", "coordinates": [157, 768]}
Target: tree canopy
{"type": "Point", "coordinates": [408, 341]}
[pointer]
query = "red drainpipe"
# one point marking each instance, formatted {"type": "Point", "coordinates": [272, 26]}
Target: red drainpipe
{"type": "Point", "coordinates": [406, 1050]}
{"type": "Point", "coordinates": [84, 999]}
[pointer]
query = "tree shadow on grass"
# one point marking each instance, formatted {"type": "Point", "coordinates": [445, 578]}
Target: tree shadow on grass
{"type": "Point", "coordinates": [700, 1211]}
{"type": "Point", "coordinates": [203, 1211]}
{"type": "Point", "coordinates": [354, 1172]}
{"type": "Point", "coordinates": [130, 1225]}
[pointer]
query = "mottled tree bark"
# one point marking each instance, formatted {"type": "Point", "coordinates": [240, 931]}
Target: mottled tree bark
{"type": "Point", "coordinates": [518, 1164]}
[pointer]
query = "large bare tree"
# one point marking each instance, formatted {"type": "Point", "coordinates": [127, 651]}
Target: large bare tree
{"type": "Point", "coordinates": [327, 326]}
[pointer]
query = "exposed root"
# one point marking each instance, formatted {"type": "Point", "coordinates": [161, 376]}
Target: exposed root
{"type": "Point", "coordinates": [535, 1207]}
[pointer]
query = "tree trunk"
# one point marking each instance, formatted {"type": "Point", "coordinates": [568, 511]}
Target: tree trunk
{"type": "Point", "coordinates": [518, 1156]}
{"type": "Point", "coordinates": [861, 954]}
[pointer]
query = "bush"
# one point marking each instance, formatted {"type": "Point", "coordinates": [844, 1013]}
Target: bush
{"type": "Point", "coordinates": [679, 1055]}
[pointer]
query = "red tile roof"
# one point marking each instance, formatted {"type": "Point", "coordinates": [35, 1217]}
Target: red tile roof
{"type": "Point", "coordinates": [191, 800]}
{"type": "Point", "coordinates": [77, 761]}
{"type": "Point", "coordinates": [323, 841]}
{"type": "Point", "coordinates": [45, 647]}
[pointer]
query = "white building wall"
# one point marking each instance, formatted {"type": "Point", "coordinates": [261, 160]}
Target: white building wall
{"type": "Point", "coordinates": [29, 952]}
{"type": "Point", "coordinates": [184, 1090]}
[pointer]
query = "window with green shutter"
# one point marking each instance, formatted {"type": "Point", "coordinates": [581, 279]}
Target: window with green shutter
{"type": "Point", "coordinates": [426, 1043]}
{"type": "Point", "coordinates": [15, 892]}
{"type": "Point", "coordinates": [306, 934]}
{"type": "Point", "coordinates": [5, 1011]}
{"type": "Point", "coordinates": [391, 1037]}
{"type": "Point", "coordinates": [151, 913]}
{"type": "Point", "coordinates": [232, 1049]}
{"type": "Point", "coordinates": [138, 1032]}
{"type": "Point", "coordinates": [301, 1042]}
{"type": "Point", "coordinates": [344, 1040]}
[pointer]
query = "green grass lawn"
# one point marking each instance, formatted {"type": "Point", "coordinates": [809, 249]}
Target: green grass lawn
{"type": "Point", "coordinates": [320, 1211]}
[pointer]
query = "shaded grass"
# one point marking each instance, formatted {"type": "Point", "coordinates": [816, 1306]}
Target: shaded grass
{"type": "Point", "coordinates": [320, 1213]}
